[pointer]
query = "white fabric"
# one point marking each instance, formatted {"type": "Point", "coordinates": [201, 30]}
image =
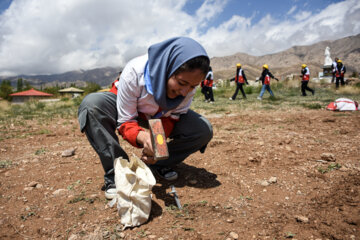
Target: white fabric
{"type": "Point", "coordinates": [133, 98]}
{"type": "Point", "coordinates": [307, 71]}
{"type": "Point", "coordinates": [134, 181]}
{"type": "Point", "coordinates": [210, 74]}
{"type": "Point", "coordinates": [345, 104]}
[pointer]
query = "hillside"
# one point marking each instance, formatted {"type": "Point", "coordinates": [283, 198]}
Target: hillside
{"type": "Point", "coordinates": [281, 64]}
{"type": "Point", "coordinates": [289, 61]}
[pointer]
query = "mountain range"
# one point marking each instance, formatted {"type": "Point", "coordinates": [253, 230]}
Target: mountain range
{"type": "Point", "coordinates": [280, 64]}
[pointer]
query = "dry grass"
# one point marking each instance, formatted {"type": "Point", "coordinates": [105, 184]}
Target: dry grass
{"type": "Point", "coordinates": [348, 90]}
{"type": "Point", "coordinates": [4, 105]}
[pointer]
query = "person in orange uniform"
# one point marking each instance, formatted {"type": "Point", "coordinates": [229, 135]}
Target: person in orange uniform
{"type": "Point", "coordinates": [305, 78]}
{"type": "Point", "coordinates": [265, 79]}
{"type": "Point", "coordinates": [207, 85]}
{"type": "Point", "coordinates": [340, 71]}
{"type": "Point", "coordinates": [240, 80]}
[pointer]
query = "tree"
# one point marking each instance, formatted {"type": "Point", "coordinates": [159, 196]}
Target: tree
{"type": "Point", "coordinates": [20, 85]}
{"type": "Point", "coordinates": [5, 89]}
{"type": "Point", "coordinates": [91, 87]}
{"type": "Point", "coordinates": [27, 86]}
{"type": "Point", "coordinates": [52, 90]}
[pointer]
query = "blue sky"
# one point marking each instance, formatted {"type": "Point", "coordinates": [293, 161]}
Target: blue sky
{"type": "Point", "coordinates": [44, 37]}
{"type": "Point", "coordinates": [257, 9]}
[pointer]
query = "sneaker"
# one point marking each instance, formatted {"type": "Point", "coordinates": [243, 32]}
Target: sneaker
{"type": "Point", "coordinates": [259, 98]}
{"type": "Point", "coordinates": [231, 99]}
{"type": "Point", "coordinates": [166, 173]}
{"type": "Point", "coordinates": [110, 191]}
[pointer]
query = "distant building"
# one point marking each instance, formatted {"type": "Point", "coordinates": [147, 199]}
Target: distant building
{"type": "Point", "coordinates": [73, 92]}
{"type": "Point", "coordinates": [104, 90]}
{"type": "Point", "coordinates": [28, 95]}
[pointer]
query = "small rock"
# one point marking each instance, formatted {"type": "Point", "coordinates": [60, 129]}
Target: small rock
{"type": "Point", "coordinates": [272, 180]}
{"type": "Point", "coordinates": [122, 235]}
{"type": "Point", "coordinates": [33, 184]}
{"type": "Point", "coordinates": [59, 192]}
{"type": "Point", "coordinates": [39, 186]}
{"type": "Point", "coordinates": [288, 141]}
{"type": "Point", "coordinates": [152, 236]}
{"type": "Point", "coordinates": [47, 219]}
{"type": "Point", "coordinates": [234, 235]}
{"type": "Point", "coordinates": [106, 234]}
{"type": "Point", "coordinates": [28, 188]}
{"type": "Point", "coordinates": [73, 237]}
{"type": "Point", "coordinates": [344, 131]}
{"type": "Point", "coordinates": [302, 219]}
{"type": "Point", "coordinates": [193, 181]}
{"type": "Point", "coordinates": [68, 152]}
{"type": "Point", "coordinates": [264, 183]}
{"type": "Point", "coordinates": [230, 220]}
{"type": "Point", "coordinates": [328, 120]}
{"type": "Point", "coordinates": [328, 157]}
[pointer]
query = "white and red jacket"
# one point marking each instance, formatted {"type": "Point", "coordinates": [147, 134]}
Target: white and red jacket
{"type": "Point", "coordinates": [209, 80]}
{"type": "Point", "coordinates": [240, 78]}
{"type": "Point", "coordinates": [134, 101]}
{"type": "Point", "coordinates": [343, 104]}
{"type": "Point", "coordinates": [340, 70]}
{"type": "Point", "coordinates": [305, 74]}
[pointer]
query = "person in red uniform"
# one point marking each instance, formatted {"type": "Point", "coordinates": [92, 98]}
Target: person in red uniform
{"type": "Point", "coordinates": [305, 78]}
{"type": "Point", "coordinates": [265, 80]}
{"type": "Point", "coordinates": [240, 79]}
{"type": "Point", "coordinates": [207, 85]}
{"type": "Point", "coordinates": [340, 71]}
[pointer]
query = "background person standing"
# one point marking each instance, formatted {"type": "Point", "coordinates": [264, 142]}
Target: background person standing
{"type": "Point", "coordinates": [265, 79]}
{"type": "Point", "coordinates": [333, 68]}
{"type": "Point", "coordinates": [305, 78]}
{"type": "Point", "coordinates": [206, 86]}
{"type": "Point", "coordinates": [240, 79]}
{"type": "Point", "coordinates": [339, 73]}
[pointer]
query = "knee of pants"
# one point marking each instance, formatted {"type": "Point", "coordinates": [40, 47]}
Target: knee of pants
{"type": "Point", "coordinates": [91, 100]}
{"type": "Point", "coordinates": [206, 133]}
{"type": "Point", "coordinates": [89, 106]}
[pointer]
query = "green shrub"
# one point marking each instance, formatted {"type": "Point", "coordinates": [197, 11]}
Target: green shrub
{"type": "Point", "coordinates": [249, 89]}
{"type": "Point", "coordinates": [312, 105]}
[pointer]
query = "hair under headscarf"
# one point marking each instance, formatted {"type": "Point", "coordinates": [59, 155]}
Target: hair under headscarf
{"type": "Point", "coordinates": [164, 59]}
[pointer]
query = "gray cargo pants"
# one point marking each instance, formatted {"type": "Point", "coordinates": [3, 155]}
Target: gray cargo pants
{"type": "Point", "coordinates": [98, 119]}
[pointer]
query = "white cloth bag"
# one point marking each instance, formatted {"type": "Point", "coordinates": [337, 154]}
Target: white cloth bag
{"type": "Point", "coordinates": [134, 181]}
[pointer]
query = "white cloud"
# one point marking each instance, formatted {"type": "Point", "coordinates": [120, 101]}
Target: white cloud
{"type": "Point", "coordinates": [303, 15]}
{"type": "Point", "coordinates": [41, 36]}
{"type": "Point", "coordinates": [292, 9]}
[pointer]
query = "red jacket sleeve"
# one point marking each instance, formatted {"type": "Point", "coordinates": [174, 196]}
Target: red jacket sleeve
{"type": "Point", "coordinates": [129, 132]}
{"type": "Point", "coordinates": [168, 124]}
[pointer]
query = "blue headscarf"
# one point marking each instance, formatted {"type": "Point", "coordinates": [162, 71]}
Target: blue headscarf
{"type": "Point", "coordinates": [164, 59]}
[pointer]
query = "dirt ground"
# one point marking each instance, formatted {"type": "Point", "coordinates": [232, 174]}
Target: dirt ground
{"type": "Point", "coordinates": [266, 174]}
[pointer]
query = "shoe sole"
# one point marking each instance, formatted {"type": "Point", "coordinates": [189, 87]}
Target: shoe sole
{"type": "Point", "coordinates": [111, 195]}
{"type": "Point", "coordinates": [164, 178]}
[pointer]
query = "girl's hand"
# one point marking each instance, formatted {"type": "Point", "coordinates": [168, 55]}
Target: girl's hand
{"type": "Point", "coordinates": [148, 160]}
{"type": "Point", "coordinates": [144, 139]}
